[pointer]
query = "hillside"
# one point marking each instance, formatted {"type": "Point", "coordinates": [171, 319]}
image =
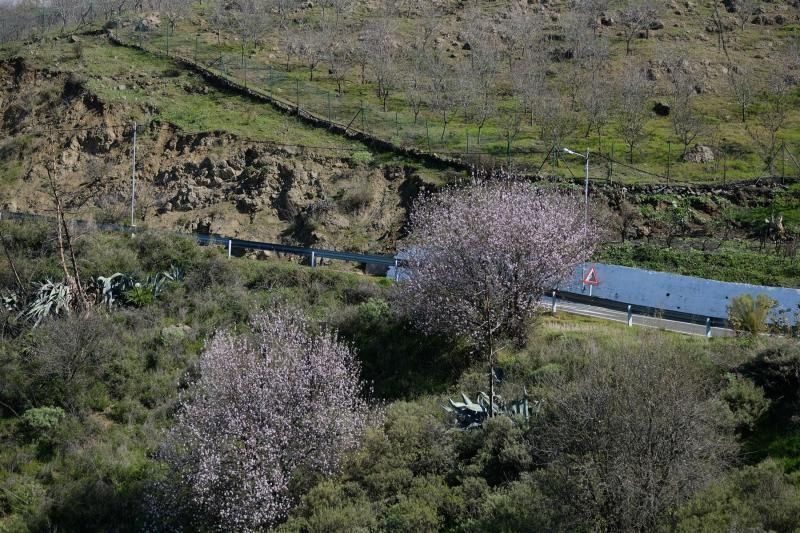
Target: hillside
{"type": "Point", "coordinates": [87, 400]}
{"type": "Point", "coordinates": [497, 82]}
{"type": "Point", "coordinates": [213, 158]}
{"type": "Point", "coordinates": [148, 383]}
{"type": "Point", "coordinates": [208, 159]}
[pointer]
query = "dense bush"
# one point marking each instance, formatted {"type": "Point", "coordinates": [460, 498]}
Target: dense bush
{"type": "Point", "coordinates": [777, 370]}
{"type": "Point", "coordinates": [755, 498]}
{"type": "Point", "coordinates": [85, 400]}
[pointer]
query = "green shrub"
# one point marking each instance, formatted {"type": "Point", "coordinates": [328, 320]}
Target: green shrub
{"type": "Point", "coordinates": [139, 296]}
{"type": "Point", "coordinates": [755, 498]}
{"type": "Point", "coordinates": [363, 157]}
{"type": "Point", "coordinates": [745, 400]}
{"type": "Point", "coordinates": [412, 516]}
{"type": "Point", "coordinates": [41, 423]}
{"type": "Point", "coordinates": [357, 198]}
{"type": "Point", "coordinates": [749, 315]}
{"type": "Point", "coordinates": [158, 252]}
{"type": "Point", "coordinates": [777, 370]}
{"type": "Point", "coordinates": [103, 254]}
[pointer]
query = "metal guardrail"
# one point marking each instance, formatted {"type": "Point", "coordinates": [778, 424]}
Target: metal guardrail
{"type": "Point", "coordinates": [231, 243]}
{"type": "Point", "coordinates": [642, 310]}
{"type": "Point", "coordinates": [384, 260]}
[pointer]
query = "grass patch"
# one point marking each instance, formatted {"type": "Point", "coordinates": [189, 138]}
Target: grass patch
{"type": "Point", "coordinates": [731, 262]}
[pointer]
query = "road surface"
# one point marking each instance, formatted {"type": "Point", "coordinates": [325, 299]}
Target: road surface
{"type": "Point", "coordinates": [638, 320]}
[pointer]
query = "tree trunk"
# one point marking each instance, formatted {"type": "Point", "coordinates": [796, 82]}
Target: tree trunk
{"type": "Point", "coordinates": [491, 376]}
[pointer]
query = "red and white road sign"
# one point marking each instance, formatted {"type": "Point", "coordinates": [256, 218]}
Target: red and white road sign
{"type": "Point", "coordinates": [591, 277]}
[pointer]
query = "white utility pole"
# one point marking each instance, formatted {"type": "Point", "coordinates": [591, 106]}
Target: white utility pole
{"type": "Point", "coordinates": [133, 181]}
{"type": "Point", "coordinates": [585, 202]}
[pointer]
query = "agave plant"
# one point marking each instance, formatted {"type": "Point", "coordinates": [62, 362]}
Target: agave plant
{"type": "Point", "coordinates": [114, 287]}
{"type": "Point", "coordinates": [51, 298]}
{"type": "Point", "coordinates": [471, 414]}
{"type": "Point", "coordinates": [157, 282]}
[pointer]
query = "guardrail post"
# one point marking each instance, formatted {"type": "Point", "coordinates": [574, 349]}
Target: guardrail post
{"type": "Point", "coordinates": [630, 316]}
{"type": "Point", "coordinates": [230, 246]}
{"type": "Point", "coordinates": [553, 305]}
{"type": "Point", "coordinates": [313, 259]}
{"type": "Point", "coordinates": [708, 328]}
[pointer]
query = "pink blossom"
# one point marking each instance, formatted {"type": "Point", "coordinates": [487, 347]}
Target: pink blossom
{"type": "Point", "coordinates": [264, 408]}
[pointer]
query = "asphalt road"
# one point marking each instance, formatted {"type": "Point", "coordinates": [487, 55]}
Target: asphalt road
{"type": "Point", "coordinates": [638, 320]}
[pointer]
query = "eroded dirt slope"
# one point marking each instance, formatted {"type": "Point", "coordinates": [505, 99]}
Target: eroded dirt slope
{"type": "Point", "coordinates": [214, 181]}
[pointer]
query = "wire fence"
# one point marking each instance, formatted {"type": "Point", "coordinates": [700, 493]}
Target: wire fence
{"type": "Point", "coordinates": [359, 109]}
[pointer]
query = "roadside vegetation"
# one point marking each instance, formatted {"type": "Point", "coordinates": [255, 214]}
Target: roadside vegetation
{"type": "Point", "coordinates": [89, 399]}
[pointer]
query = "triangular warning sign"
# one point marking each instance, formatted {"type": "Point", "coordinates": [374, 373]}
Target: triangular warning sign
{"type": "Point", "coordinates": [591, 278]}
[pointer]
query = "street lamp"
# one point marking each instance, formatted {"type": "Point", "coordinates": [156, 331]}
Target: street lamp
{"type": "Point", "coordinates": [585, 198]}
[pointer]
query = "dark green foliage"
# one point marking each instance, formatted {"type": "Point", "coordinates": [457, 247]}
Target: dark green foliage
{"type": "Point", "coordinates": [84, 399]}
{"type": "Point", "coordinates": [400, 361]}
{"type": "Point", "coordinates": [777, 370]}
{"type": "Point", "coordinates": [40, 423]}
{"type": "Point", "coordinates": [158, 251]}
{"type": "Point", "coordinates": [745, 400]}
{"type": "Point", "coordinates": [755, 498]}
{"type": "Point", "coordinates": [727, 263]}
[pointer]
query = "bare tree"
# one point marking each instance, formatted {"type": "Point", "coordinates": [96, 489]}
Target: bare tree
{"type": "Point", "coordinates": [777, 99]}
{"type": "Point", "coordinates": [429, 21]}
{"type": "Point", "coordinates": [173, 11]}
{"type": "Point", "coordinates": [632, 92]}
{"type": "Point", "coordinates": [518, 31]}
{"type": "Point", "coordinates": [594, 9]}
{"type": "Point", "coordinates": [262, 410]}
{"type": "Point", "coordinates": [555, 117]}
{"type": "Point", "coordinates": [67, 356]}
{"type": "Point", "coordinates": [250, 21]}
{"type": "Point", "coordinates": [635, 17]}
{"type": "Point", "coordinates": [380, 41]}
{"type": "Point", "coordinates": [745, 10]}
{"type": "Point", "coordinates": [480, 258]}
{"type": "Point", "coordinates": [744, 87]}
{"type": "Point", "coordinates": [338, 56]}
{"type": "Point", "coordinates": [686, 121]}
{"type": "Point", "coordinates": [341, 7]}
{"type": "Point", "coordinates": [415, 83]}
{"type": "Point", "coordinates": [441, 89]}
{"type": "Point", "coordinates": [528, 79]}
{"type": "Point", "coordinates": [482, 77]}
{"type": "Point", "coordinates": [219, 18]}
{"type": "Point", "coordinates": [721, 27]}
{"type": "Point", "coordinates": [635, 435]}
{"type": "Point", "coordinates": [313, 47]}
{"type": "Point", "coordinates": [627, 215]}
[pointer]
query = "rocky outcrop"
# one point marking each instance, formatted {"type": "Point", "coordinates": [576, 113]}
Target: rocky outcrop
{"type": "Point", "coordinates": [699, 154]}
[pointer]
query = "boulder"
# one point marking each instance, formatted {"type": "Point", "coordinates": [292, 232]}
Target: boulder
{"type": "Point", "coordinates": [661, 109]}
{"type": "Point", "coordinates": [148, 23]}
{"type": "Point", "coordinates": [699, 154]}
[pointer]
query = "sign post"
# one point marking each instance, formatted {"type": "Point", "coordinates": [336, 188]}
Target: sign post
{"type": "Point", "coordinates": [591, 280]}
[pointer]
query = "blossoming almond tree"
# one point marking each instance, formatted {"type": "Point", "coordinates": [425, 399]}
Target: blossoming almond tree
{"type": "Point", "coordinates": [481, 258]}
{"type": "Point", "coordinates": [265, 408]}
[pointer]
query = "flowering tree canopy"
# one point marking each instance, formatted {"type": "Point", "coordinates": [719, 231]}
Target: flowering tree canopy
{"type": "Point", "coordinates": [480, 258]}
{"type": "Point", "coordinates": [264, 408]}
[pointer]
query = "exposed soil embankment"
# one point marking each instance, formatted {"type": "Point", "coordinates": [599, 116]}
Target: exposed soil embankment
{"type": "Point", "coordinates": [211, 181]}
